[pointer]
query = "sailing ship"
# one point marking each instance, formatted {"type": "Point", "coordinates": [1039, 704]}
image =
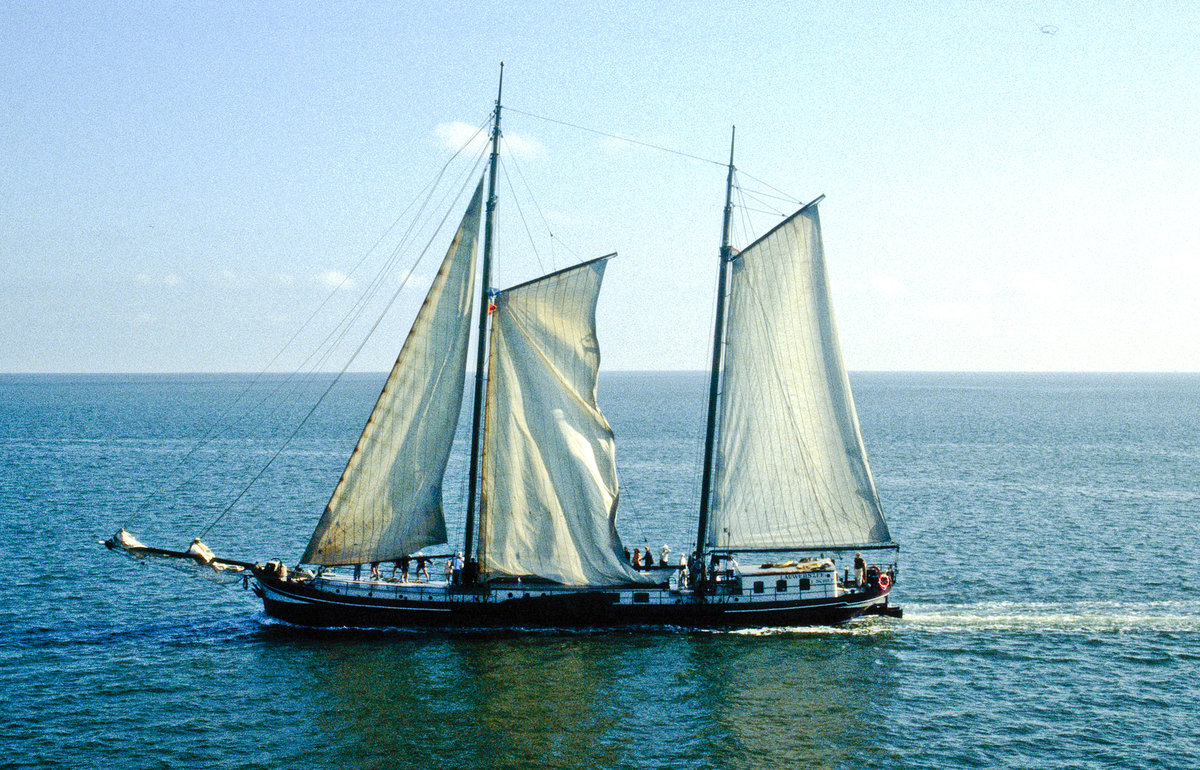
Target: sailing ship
{"type": "Point", "coordinates": [785, 484]}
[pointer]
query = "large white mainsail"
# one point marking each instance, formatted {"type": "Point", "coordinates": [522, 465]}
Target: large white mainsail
{"type": "Point", "coordinates": [549, 470]}
{"type": "Point", "coordinates": [389, 499]}
{"type": "Point", "coordinates": [791, 468]}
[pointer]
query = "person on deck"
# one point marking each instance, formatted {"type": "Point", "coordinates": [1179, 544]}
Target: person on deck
{"type": "Point", "coordinates": [423, 566]}
{"type": "Point", "coordinates": [860, 570]}
{"type": "Point", "coordinates": [457, 567]}
{"type": "Point", "coordinates": [663, 553]}
{"type": "Point", "coordinates": [404, 561]}
{"type": "Point", "coordinates": [374, 570]}
{"type": "Point", "coordinates": [637, 558]}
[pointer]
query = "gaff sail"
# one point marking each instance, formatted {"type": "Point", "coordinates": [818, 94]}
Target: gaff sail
{"type": "Point", "coordinates": [389, 499]}
{"type": "Point", "coordinates": [549, 472]}
{"type": "Point", "coordinates": [791, 469]}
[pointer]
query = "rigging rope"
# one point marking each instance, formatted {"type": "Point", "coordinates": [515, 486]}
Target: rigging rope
{"type": "Point", "coordinates": [335, 337]}
{"type": "Point", "coordinates": [221, 426]}
{"type": "Point", "coordinates": [618, 136]}
{"type": "Point", "coordinates": [337, 378]}
{"type": "Point", "coordinates": [521, 216]}
{"type": "Point", "coordinates": [783, 196]}
{"type": "Point", "coordinates": [541, 215]}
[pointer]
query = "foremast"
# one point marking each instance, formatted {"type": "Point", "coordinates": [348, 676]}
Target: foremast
{"type": "Point", "coordinates": [482, 331]}
{"type": "Point", "coordinates": [714, 382]}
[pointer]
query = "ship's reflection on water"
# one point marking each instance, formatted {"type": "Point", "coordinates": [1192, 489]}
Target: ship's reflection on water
{"type": "Point", "coordinates": [595, 699]}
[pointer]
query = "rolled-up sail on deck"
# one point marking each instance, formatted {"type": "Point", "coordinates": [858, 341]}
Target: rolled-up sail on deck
{"type": "Point", "coordinates": [791, 469]}
{"type": "Point", "coordinates": [549, 473]}
{"type": "Point", "coordinates": [389, 499]}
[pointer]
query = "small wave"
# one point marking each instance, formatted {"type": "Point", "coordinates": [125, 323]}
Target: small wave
{"type": "Point", "coordinates": [1047, 617]}
{"type": "Point", "coordinates": [860, 627]}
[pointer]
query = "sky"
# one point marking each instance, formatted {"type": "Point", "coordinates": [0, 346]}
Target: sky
{"type": "Point", "coordinates": [1009, 186]}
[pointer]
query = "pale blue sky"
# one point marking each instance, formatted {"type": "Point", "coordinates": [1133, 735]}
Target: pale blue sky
{"type": "Point", "coordinates": [1010, 186]}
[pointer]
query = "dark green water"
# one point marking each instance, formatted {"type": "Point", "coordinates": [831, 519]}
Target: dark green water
{"type": "Point", "coordinates": [1049, 533]}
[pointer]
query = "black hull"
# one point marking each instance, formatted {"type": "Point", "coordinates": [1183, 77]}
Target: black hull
{"type": "Point", "coordinates": [301, 604]}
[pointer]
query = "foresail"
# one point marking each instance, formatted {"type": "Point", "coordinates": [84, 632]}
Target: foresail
{"type": "Point", "coordinates": [549, 470]}
{"type": "Point", "coordinates": [389, 499]}
{"type": "Point", "coordinates": [791, 468]}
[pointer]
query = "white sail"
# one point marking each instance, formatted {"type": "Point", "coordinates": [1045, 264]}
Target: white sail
{"type": "Point", "coordinates": [389, 499]}
{"type": "Point", "coordinates": [549, 473]}
{"type": "Point", "coordinates": [791, 468]}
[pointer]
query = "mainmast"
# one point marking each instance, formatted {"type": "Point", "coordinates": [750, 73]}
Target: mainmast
{"type": "Point", "coordinates": [481, 337]}
{"type": "Point", "coordinates": [714, 383]}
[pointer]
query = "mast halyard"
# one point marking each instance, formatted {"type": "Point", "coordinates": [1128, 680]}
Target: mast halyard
{"type": "Point", "coordinates": [714, 383]}
{"type": "Point", "coordinates": [481, 337]}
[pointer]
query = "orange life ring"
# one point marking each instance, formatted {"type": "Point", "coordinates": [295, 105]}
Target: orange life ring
{"type": "Point", "coordinates": [885, 581]}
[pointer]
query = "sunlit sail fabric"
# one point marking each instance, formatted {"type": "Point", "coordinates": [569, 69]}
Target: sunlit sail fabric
{"type": "Point", "coordinates": [791, 469]}
{"type": "Point", "coordinates": [549, 471]}
{"type": "Point", "coordinates": [389, 499]}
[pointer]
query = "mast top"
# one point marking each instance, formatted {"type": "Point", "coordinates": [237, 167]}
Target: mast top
{"type": "Point", "coordinates": [726, 248]}
{"type": "Point", "coordinates": [500, 90]}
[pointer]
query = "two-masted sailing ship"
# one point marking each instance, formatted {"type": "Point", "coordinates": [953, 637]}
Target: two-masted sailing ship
{"type": "Point", "coordinates": [785, 485]}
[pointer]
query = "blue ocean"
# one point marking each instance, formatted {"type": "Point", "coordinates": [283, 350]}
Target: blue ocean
{"type": "Point", "coordinates": [1049, 551]}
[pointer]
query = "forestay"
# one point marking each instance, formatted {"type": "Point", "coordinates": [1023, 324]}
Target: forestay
{"type": "Point", "coordinates": [389, 499]}
{"type": "Point", "coordinates": [791, 468]}
{"type": "Point", "coordinates": [549, 472]}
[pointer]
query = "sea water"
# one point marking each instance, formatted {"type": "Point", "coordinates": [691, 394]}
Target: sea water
{"type": "Point", "coordinates": [1048, 526]}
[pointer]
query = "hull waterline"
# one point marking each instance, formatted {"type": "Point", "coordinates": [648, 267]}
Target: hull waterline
{"type": "Point", "coordinates": [437, 605]}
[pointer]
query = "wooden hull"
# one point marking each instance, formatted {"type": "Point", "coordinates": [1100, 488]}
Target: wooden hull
{"type": "Point", "coordinates": [333, 605]}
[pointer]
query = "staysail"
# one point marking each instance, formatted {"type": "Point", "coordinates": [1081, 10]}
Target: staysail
{"type": "Point", "coordinates": [389, 499]}
{"type": "Point", "coordinates": [549, 470]}
{"type": "Point", "coordinates": [791, 469]}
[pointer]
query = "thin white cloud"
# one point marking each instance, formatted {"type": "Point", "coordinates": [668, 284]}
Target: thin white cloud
{"type": "Point", "coordinates": [454, 136]}
{"type": "Point", "coordinates": [952, 311]}
{"type": "Point", "coordinates": [1035, 287]}
{"type": "Point", "coordinates": [981, 287]}
{"type": "Point", "coordinates": [334, 279]}
{"type": "Point", "coordinates": [524, 147]}
{"type": "Point", "coordinates": [170, 279]}
{"type": "Point", "coordinates": [887, 286]}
